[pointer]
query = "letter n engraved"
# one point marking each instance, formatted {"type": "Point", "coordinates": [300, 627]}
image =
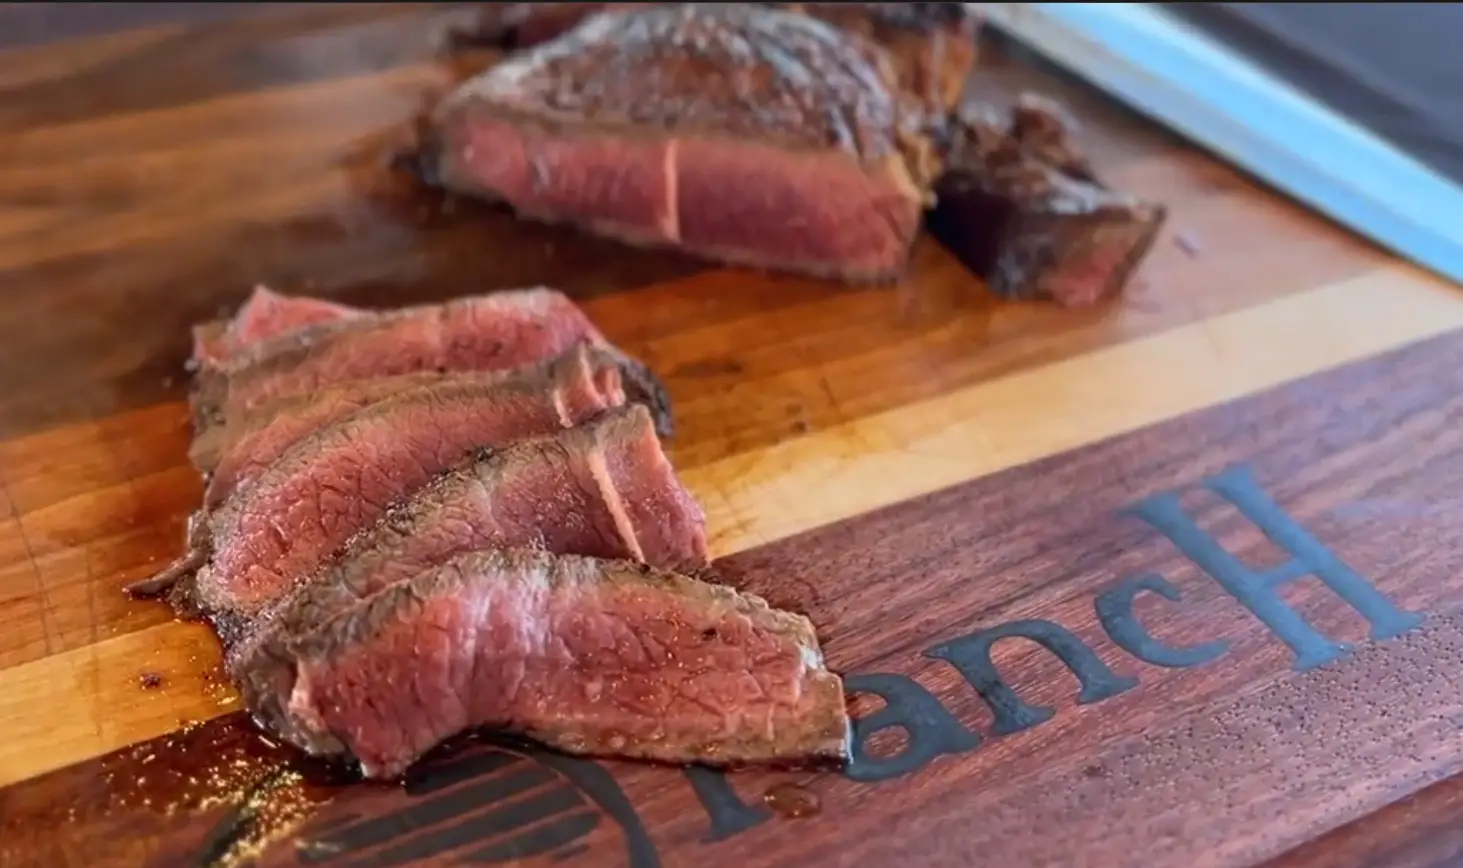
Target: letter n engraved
{"type": "Point", "coordinates": [972, 656]}
{"type": "Point", "coordinates": [1258, 590]}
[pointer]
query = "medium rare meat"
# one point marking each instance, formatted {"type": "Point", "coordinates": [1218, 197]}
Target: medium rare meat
{"type": "Point", "coordinates": [585, 655]}
{"type": "Point", "coordinates": [742, 133]}
{"type": "Point", "coordinates": [1021, 207]}
{"type": "Point", "coordinates": [494, 332]}
{"type": "Point", "coordinates": [342, 478]}
{"type": "Point", "coordinates": [604, 489]}
{"type": "Point", "coordinates": [260, 444]}
{"type": "Point", "coordinates": [256, 437]}
{"type": "Point", "coordinates": [266, 314]}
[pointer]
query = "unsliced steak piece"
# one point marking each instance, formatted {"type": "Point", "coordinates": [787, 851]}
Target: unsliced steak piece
{"type": "Point", "coordinates": [266, 314]}
{"type": "Point", "coordinates": [604, 489]}
{"type": "Point", "coordinates": [340, 479]}
{"type": "Point", "coordinates": [746, 134]}
{"type": "Point", "coordinates": [589, 656]}
{"type": "Point", "coordinates": [256, 449]}
{"type": "Point", "coordinates": [933, 44]}
{"type": "Point", "coordinates": [1022, 208]}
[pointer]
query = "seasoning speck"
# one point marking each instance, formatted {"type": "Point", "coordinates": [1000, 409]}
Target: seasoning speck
{"type": "Point", "coordinates": [150, 680]}
{"type": "Point", "coordinates": [791, 800]}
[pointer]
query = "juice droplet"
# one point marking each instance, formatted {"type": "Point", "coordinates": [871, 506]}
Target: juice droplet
{"type": "Point", "coordinates": [791, 800]}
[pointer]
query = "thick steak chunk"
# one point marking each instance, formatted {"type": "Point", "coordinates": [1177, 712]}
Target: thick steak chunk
{"type": "Point", "coordinates": [259, 442]}
{"type": "Point", "coordinates": [342, 478]}
{"type": "Point", "coordinates": [1020, 207]}
{"type": "Point", "coordinates": [586, 655]}
{"type": "Point", "coordinates": [604, 489]}
{"type": "Point", "coordinates": [742, 133]}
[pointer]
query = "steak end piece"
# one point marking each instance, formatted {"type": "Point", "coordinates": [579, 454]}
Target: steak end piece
{"type": "Point", "coordinates": [593, 657]}
{"type": "Point", "coordinates": [748, 135]}
{"type": "Point", "coordinates": [1022, 208]}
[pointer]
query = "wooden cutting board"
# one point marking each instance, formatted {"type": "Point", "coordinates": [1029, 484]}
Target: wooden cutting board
{"type": "Point", "coordinates": [1215, 526]}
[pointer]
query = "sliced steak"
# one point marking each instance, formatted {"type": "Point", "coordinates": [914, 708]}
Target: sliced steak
{"type": "Point", "coordinates": [1020, 207]}
{"type": "Point", "coordinates": [588, 656]}
{"type": "Point", "coordinates": [745, 134]}
{"type": "Point", "coordinates": [342, 478]}
{"type": "Point", "coordinates": [494, 332]}
{"type": "Point", "coordinates": [274, 427]}
{"type": "Point", "coordinates": [266, 314]}
{"type": "Point", "coordinates": [258, 447]}
{"type": "Point", "coordinates": [604, 489]}
{"type": "Point", "coordinates": [497, 331]}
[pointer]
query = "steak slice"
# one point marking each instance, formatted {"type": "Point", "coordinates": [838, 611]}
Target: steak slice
{"type": "Point", "coordinates": [588, 656]}
{"type": "Point", "coordinates": [746, 134]}
{"type": "Point", "coordinates": [1020, 207]}
{"type": "Point", "coordinates": [266, 314]}
{"type": "Point", "coordinates": [604, 489]}
{"type": "Point", "coordinates": [494, 332]}
{"type": "Point", "coordinates": [260, 435]}
{"type": "Point", "coordinates": [342, 478]}
{"type": "Point", "coordinates": [293, 419]}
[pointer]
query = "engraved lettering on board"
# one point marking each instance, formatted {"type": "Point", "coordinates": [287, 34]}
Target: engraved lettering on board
{"type": "Point", "coordinates": [502, 804]}
{"type": "Point", "coordinates": [507, 804]}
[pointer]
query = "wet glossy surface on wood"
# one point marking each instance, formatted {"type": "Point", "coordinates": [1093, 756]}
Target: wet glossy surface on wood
{"type": "Point", "coordinates": [862, 455]}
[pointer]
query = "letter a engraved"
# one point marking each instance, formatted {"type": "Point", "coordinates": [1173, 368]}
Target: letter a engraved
{"type": "Point", "coordinates": [1258, 590]}
{"type": "Point", "coordinates": [971, 655]}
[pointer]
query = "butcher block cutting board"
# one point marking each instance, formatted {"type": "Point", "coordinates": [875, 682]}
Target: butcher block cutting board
{"type": "Point", "coordinates": [1177, 581]}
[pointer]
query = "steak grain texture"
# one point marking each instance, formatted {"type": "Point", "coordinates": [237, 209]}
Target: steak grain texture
{"type": "Point", "coordinates": [585, 655]}
{"type": "Point", "coordinates": [491, 332]}
{"type": "Point", "coordinates": [314, 345]}
{"type": "Point", "coordinates": [745, 134]}
{"type": "Point", "coordinates": [266, 434]}
{"type": "Point", "coordinates": [265, 314]}
{"type": "Point", "coordinates": [342, 478]}
{"type": "Point", "coordinates": [603, 489]}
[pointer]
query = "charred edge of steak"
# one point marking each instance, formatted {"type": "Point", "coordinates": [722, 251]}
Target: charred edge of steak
{"type": "Point", "coordinates": [421, 159]}
{"type": "Point", "coordinates": [642, 386]}
{"type": "Point", "coordinates": [1021, 206]}
{"type": "Point", "coordinates": [174, 583]}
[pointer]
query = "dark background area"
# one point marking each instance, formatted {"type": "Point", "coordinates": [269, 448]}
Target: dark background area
{"type": "Point", "coordinates": [1394, 68]}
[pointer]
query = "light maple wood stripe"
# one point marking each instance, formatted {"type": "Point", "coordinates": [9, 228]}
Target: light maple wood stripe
{"type": "Point", "coordinates": [758, 497]}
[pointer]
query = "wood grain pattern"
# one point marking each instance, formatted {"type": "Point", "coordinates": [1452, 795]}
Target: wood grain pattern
{"type": "Point", "coordinates": [843, 442]}
{"type": "Point", "coordinates": [1188, 764]}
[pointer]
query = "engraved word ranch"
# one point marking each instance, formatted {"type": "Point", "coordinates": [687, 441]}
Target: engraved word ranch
{"type": "Point", "coordinates": [494, 821]}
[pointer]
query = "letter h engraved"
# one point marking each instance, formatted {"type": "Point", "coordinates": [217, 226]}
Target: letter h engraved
{"type": "Point", "coordinates": [1258, 590]}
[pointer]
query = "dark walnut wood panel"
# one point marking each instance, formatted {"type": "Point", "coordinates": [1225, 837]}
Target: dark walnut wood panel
{"type": "Point", "coordinates": [152, 177]}
{"type": "Point", "coordinates": [1305, 669]}
{"type": "Point", "coordinates": [1421, 831]}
